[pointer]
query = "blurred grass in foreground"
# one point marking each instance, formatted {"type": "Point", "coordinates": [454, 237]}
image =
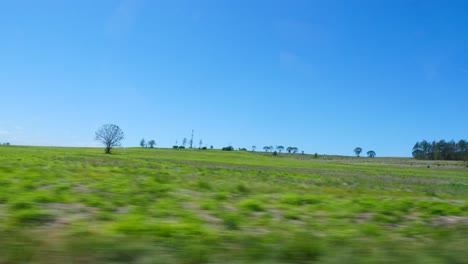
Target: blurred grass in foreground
{"type": "Point", "coordinates": [77, 205]}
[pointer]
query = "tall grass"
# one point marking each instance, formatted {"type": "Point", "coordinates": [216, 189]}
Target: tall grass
{"type": "Point", "coordinates": [77, 205]}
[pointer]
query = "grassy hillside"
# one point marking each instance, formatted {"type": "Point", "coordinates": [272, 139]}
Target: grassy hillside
{"type": "Point", "coordinates": [77, 205]}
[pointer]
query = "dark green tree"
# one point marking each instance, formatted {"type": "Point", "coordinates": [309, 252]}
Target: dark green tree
{"type": "Point", "coordinates": [279, 148]}
{"type": "Point", "coordinates": [357, 151]}
{"type": "Point", "coordinates": [441, 150]}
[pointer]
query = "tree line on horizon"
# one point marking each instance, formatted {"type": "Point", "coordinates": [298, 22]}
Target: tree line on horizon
{"type": "Point", "coordinates": [441, 150]}
{"type": "Point", "coordinates": [111, 135]}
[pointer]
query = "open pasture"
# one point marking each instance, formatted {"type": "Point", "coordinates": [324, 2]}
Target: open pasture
{"type": "Point", "coordinates": [141, 205]}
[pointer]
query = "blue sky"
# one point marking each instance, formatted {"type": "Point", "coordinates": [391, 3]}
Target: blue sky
{"type": "Point", "coordinates": [325, 76]}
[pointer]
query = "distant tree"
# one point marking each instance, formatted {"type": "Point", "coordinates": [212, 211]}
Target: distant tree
{"type": "Point", "coordinates": [110, 135]}
{"type": "Point", "coordinates": [184, 142]}
{"type": "Point", "coordinates": [275, 153]}
{"type": "Point", "coordinates": [357, 151]}
{"type": "Point", "coordinates": [228, 148]}
{"type": "Point", "coordinates": [462, 146]}
{"type": "Point", "coordinates": [294, 150]}
{"type": "Point", "coordinates": [417, 151]}
{"type": "Point", "coordinates": [441, 150]}
{"type": "Point", "coordinates": [151, 143]}
{"type": "Point", "coordinates": [371, 154]}
{"type": "Point", "coordinates": [315, 155]}
{"type": "Point", "coordinates": [289, 149]}
{"type": "Point", "coordinates": [211, 147]}
{"type": "Point", "coordinates": [266, 148]}
{"type": "Point", "coordinates": [279, 148]}
{"type": "Point", "coordinates": [200, 144]}
{"type": "Point", "coordinates": [254, 148]}
{"type": "Point", "coordinates": [142, 143]}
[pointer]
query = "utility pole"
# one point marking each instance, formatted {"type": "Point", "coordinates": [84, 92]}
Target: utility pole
{"type": "Point", "coordinates": [191, 140]}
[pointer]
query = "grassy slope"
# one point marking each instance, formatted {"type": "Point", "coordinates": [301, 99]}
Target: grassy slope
{"type": "Point", "coordinates": [188, 206]}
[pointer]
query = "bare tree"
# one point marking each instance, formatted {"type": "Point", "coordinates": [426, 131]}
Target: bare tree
{"type": "Point", "coordinates": [254, 148]}
{"type": "Point", "coordinates": [191, 140]}
{"type": "Point", "coordinates": [184, 142]}
{"type": "Point", "coordinates": [110, 135]}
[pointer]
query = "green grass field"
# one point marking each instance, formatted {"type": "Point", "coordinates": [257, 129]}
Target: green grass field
{"type": "Point", "coordinates": [78, 205]}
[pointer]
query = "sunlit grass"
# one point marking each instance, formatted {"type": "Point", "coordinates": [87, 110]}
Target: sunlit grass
{"type": "Point", "coordinates": [78, 205]}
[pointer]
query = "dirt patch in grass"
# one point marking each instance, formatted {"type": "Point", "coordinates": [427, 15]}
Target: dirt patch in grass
{"type": "Point", "coordinates": [67, 213]}
{"type": "Point", "coordinates": [450, 220]}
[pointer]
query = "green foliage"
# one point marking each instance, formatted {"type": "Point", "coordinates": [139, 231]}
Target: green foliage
{"type": "Point", "coordinates": [31, 216]}
{"type": "Point", "coordinates": [357, 151]}
{"type": "Point", "coordinates": [441, 150]}
{"type": "Point", "coordinates": [228, 148]}
{"type": "Point", "coordinates": [296, 199]}
{"type": "Point", "coordinates": [251, 205]}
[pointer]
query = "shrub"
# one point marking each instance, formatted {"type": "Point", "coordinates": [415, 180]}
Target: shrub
{"type": "Point", "coordinates": [229, 148]}
{"type": "Point", "coordinates": [295, 199]}
{"type": "Point", "coordinates": [181, 147]}
{"type": "Point", "coordinates": [301, 248]}
{"type": "Point", "coordinates": [242, 188]}
{"type": "Point", "coordinates": [251, 205]}
{"type": "Point", "coordinates": [231, 220]}
{"type": "Point", "coordinates": [32, 216]}
{"type": "Point", "coordinates": [175, 147]}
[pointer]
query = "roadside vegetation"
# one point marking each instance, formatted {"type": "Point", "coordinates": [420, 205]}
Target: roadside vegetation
{"type": "Point", "coordinates": [148, 205]}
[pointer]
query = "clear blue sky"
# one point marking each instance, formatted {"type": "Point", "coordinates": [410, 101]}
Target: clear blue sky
{"type": "Point", "coordinates": [325, 76]}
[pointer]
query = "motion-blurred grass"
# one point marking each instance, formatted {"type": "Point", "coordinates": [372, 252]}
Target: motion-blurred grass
{"type": "Point", "coordinates": [77, 205]}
